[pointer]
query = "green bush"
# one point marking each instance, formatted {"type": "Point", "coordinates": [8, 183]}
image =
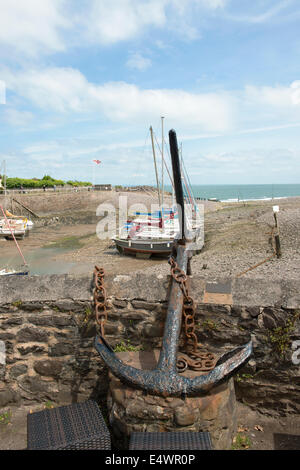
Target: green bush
{"type": "Point", "coordinates": [35, 183]}
{"type": "Point", "coordinates": [79, 183]}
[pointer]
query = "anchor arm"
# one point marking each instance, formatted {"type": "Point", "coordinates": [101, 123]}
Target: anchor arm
{"type": "Point", "coordinates": [159, 382]}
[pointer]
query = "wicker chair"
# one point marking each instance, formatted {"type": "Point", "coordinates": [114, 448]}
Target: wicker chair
{"type": "Point", "coordinates": [170, 441]}
{"type": "Point", "coordinates": [71, 427]}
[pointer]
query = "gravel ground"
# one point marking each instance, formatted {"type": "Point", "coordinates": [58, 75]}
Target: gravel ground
{"type": "Point", "coordinates": [237, 237]}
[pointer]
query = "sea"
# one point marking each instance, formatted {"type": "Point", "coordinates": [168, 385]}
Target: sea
{"type": "Point", "coordinates": [245, 192]}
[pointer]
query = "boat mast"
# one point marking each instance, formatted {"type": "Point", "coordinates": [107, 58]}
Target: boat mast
{"type": "Point", "coordinates": [155, 166]}
{"type": "Point", "coordinates": [4, 181]}
{"type": "Point", "coordinates": [162, 163]}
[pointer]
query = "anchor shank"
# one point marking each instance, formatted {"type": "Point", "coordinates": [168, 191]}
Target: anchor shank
{"type": "Point", "coordinates": [168, 355]}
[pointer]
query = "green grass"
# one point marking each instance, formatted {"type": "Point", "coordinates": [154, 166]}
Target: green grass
{"type": "Point", "coordinates": [280, 337]}
{"type": "Point", "coordinates": [241, 442]}
{"type": "Point", "coordinates": [71, 242]}
{"type": "Point", "coordinates": [5, 418]}
{"type": "Point", "coordinates": [49, 405]}
{"type": "Point", "coordinates": [87, 316]}
{"type": "Point", "coordinates": [210, 325]}
{"type": "Point", "coordinates": [243, 377]}
{"type": "Point", "coordinates": [123, 347]}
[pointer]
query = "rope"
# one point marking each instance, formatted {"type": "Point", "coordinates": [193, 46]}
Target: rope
{"type": "Point", "coordinates": [6, 220]}
{"type": "Point", "coordinates": [265, 260]}
{"type": "Point", "coordinates": [256, 265]}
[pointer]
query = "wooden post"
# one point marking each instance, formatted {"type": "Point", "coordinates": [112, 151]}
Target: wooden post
{"type": "Point", "coordinates": [276, 236]}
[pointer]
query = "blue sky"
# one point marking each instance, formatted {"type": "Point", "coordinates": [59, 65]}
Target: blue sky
{"type": "Point", "coordinates": [85, 79]}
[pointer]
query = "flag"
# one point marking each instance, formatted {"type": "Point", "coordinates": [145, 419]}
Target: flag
{"type": "Point", "coordinates": [97, 162]}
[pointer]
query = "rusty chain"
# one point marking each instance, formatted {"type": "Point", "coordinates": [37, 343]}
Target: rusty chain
{"type": "Point", "coordinates": [100, 299]}
{"type": "Point", "coordinates": [194, 357]}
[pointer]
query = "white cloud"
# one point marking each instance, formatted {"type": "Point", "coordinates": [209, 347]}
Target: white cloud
{"type": "Point", "coordinates": [264, 16]}
{"type": "Point", "coordinates": [67, 90]}
{"type": "Point", "coordinates": [17, 118]}
{"type": "Point", "coordinates": [110, 22]}
{"type": "Point", "coordinates": [278, 96]}
{"type": "Point", "coordinates": [32, 26]}
{"type": "Point", "coordinates": [121, 20]}
{"type": "Point", "coordinates": [2, 92]}
{"type": "Point", "coordinates": [137, 61]}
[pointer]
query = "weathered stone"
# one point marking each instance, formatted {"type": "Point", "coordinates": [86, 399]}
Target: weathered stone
{"type": "Point", "coordinates": [63, 320]}
{"type": "Point", "coordinates": [28, 334]}
{"type": "Point", "coordinates": [51, 320]}
{"type": "Point", "coordinates": [61, 349]}
{"type": "Point", "coordinates": [118, 395]}
{"type": "Point", "coordinates": [176, 402]}
{"type": "Point", "coordinates": [2, 371]}
{"type": "Point", "coordinates": [11, 322]}
{"type": "Point", "coordinates": [17, 370]}
{"type": "Point", "coordinates": [48, 368]}
{"type": "Point", "coordinates": [140, 304]}
{"type": "Point", "coordinates": [133, 315]}
{"type": "Point", "coordinates": [67, 306]}
{"type": "Point", "coordinates": [32, 306]}
{"type": "Point", "coordinates": [152, 331]}
{"type": "Point", "coordinates": [111, 328]}
{"type": "Point", "coordinates": [6, 336]}
{"type": "Point", "coordinates": [35, 349]}
{"type": "Point", "coordinates": [184, 417]}
{"type": "Point", "coordinates": [8, 396]}
{"type": "Point", "coordinates": [236, 311]}
{"type": "Point", "coordinates": [64, 334]}
{"type": "Point", "coordinates": [120, 303]}
{"type": "Point", "coordinates": [39, 388]}
{"type": "Point", "coordinates": [253, 311]}
{"type": "Point", "coordinates": [41, 320]}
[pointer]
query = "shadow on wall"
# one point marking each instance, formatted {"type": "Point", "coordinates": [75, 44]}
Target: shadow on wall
{"type": "Point", "coordinates": [286, 442]}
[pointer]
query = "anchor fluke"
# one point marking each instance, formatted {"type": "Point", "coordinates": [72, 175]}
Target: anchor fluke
{"type": "Point", "coordinates": [168, 382]}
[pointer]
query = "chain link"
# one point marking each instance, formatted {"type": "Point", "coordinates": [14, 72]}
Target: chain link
{"type": "Point", "coordinates": [100, 298]}
{"type": "Point", "coordinates": [194, 357]}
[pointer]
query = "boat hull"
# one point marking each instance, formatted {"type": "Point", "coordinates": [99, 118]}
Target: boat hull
{"type": "Point", "coordinates": [146, 247]}
{"type": "Point", "coordinates": [152, 247]}
{"type": "Point", "coordinates": [14, 273]}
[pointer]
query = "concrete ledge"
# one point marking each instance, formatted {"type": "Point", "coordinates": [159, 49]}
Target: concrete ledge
{"type": "Point", "coordinates": [246, 292]}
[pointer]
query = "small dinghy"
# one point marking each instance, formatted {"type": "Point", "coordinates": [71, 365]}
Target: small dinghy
{"type": "Point", "coordinates": [24, 270]}
{"type": "Point", "coordinates": [14, 272]}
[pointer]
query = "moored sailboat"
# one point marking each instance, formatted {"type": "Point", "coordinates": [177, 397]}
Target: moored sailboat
{"type": "Point", "coordinates": [154, 233]}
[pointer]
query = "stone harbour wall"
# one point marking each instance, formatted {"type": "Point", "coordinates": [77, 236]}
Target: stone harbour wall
{"type": "Point", "coordinates": [47, 332]}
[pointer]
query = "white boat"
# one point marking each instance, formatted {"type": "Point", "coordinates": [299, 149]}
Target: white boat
{"type": "Point", "coordinates": [10, 227]}
{"type": "Point", "coordinates": [29, 223]}
{"type": "Point", "coordinates": [13, 272]}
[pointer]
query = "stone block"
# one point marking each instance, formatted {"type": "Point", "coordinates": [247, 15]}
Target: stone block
{"type": "Point", "coordinates": [8, 397]}
{"type": "Point", "coordinates": [32, 349]}
{"type": "Point", "coordinates": [17, 370]}
{"type": "Point", "coordinates": [61, 349]}
{"type": "Point", "coordinates": [184, 417]}
{"type": "Point", "coordinates": [48, 368]}
{"type": "Point", "coordinates": [28, 334]}
{"type": "Point", "coordinates": [140, 304]}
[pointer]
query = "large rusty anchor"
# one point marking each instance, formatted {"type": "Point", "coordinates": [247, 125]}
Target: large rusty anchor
{"type": "Point", "coordinates": [164, 379]}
